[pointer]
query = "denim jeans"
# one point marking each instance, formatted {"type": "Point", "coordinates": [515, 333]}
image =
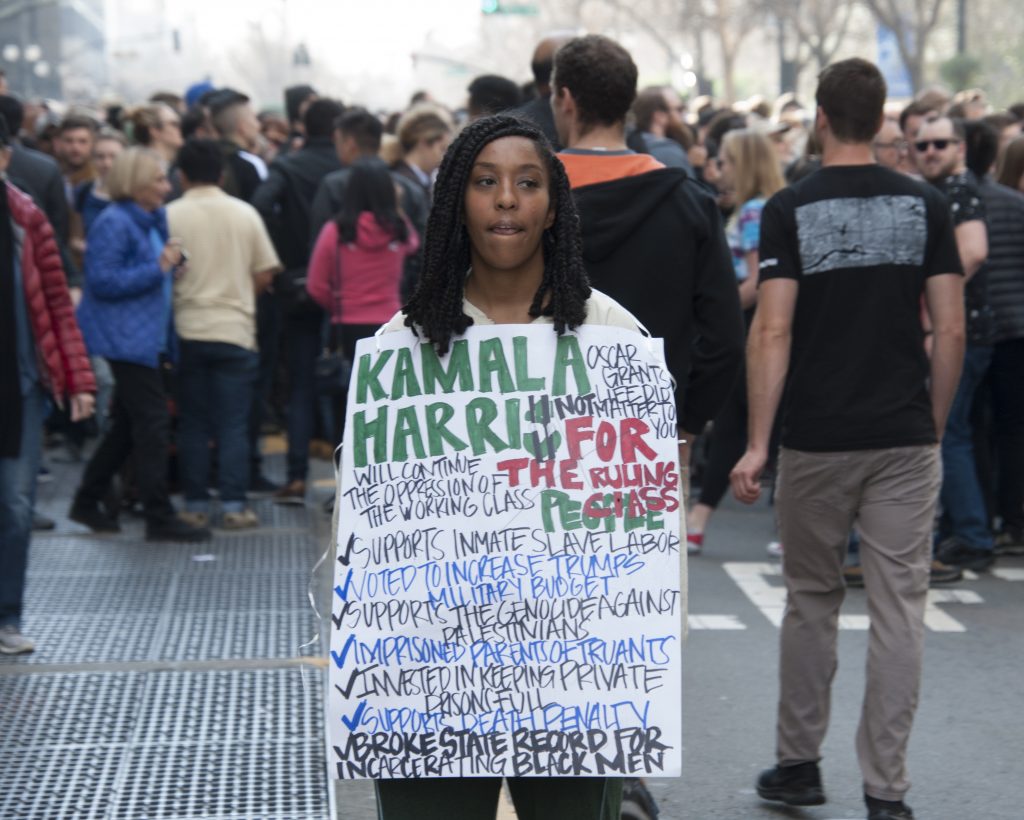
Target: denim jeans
{"type": "Point", "coordinates": [268, 332]}
{"type": "Point", "coordinates": [963, 502]}
{"type": "Point", "coordinates": [302, 344]}
{"type": "Point", "coordinates": [17, 498]}
{"type": "Point", "coordinates": [215, 387]}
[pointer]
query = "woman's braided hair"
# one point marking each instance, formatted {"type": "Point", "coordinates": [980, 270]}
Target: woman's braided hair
{"type": "Point", "coordinates": [436, 306]}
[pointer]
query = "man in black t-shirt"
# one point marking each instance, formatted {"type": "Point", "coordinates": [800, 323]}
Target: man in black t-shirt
{"type": "Point", "coordinates": [941, 154]}
{"type": "Point", "coordinates": [846, 256]}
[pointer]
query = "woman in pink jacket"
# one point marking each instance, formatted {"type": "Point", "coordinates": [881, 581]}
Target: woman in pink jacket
{"type": "Point", "coordinates": [358, 258]}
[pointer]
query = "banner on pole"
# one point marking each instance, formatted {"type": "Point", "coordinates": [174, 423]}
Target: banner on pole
{"type": "Point", "coordinates": [506, 598]}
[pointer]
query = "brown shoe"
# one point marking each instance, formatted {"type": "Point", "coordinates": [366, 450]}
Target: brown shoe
{"type": "Point", "coordinates": [294, 492]}
{"type": "Point", "coordinates": [944, 573]}
{"type": "Point", "coordinates": [854, 576]}
{"type": "Point", "coordinates": [320, 449]}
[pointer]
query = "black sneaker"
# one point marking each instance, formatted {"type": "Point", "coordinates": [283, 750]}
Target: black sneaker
{"type": "Point", "coordinates": [956, 552]}
{"type": "Point", "coordinates": [637, 802]}
{"type": "Point", "coordinates": [173, 528]}
{"type": "Point", "coordinates": [91, 516]}
{"type": "Point", "coordinates": [798, 785]}
{"type": "Point", "coordinates": [888, 809]}
{"type": "Point", "coordinates": [41, 523]}
{"type": "Point", "coordinates": [1010, 541]}
{"type": "Point", "coordinates": [259, 484]}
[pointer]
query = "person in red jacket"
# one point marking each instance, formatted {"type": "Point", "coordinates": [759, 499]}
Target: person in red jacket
{"type": "Point", "coordinates": [41, 351]}
{"type": "Point", "coordinates": [357, 262]}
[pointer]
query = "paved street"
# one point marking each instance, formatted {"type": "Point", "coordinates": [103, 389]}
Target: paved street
{"type": "Point", "coordinates": [172, 682]}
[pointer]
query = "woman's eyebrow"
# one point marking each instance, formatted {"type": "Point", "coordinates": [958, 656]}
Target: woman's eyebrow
{"type": "Point", "coordinates": [529, 166]}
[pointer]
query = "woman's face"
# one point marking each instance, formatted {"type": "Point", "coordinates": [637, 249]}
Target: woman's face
{"type": "Point", "coordinates": [168, 133]}
{"type": "Point", "coordinates": [726, 172]}
{"type": "Point", "coordinates": [508, 205]}
{"type": "Point", "coordinates": [151, 196]}
{"type": "Point", "coordinates": [103, 156]}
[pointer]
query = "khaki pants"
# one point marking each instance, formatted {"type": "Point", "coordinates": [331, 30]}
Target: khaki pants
{"type": "Point", "coordinates": [890, 496]}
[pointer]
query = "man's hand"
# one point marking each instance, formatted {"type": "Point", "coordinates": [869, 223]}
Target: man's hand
{"type": "Point", "coordinates": [746, 475]}
{"type": "Point", "coordinates": [82, 406]}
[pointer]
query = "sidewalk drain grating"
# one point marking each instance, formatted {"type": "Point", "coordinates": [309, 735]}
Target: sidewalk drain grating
{"type": "Point", "coordinates": [227, 707]}
{"type": "Point", "coordinates": [240, 635]}
{"type": "Point", "coordinates": [283, 781]}
{"type": "Point", "coordinates": [85, 639]}
{"type": "Point", "coordinates": [89, 709]}
{"type": "Point", "coordinates": [67, 784]}
{"type": "Point", "coordinates": [216, 590]}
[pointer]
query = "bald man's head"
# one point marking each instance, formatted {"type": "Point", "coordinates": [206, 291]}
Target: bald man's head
{"type": "Point", "coordinates": [544, 59]}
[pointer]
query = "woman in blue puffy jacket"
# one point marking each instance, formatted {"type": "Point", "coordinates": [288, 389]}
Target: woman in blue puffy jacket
{"type": "Point", "coordinates": [125, 316]}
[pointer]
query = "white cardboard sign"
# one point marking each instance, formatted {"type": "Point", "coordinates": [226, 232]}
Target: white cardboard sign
{"type": "Point", "coordinates": [507, 592]}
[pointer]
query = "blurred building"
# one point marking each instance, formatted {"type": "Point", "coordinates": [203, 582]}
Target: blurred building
{"type": "Point", "coordinates": [53, 48]}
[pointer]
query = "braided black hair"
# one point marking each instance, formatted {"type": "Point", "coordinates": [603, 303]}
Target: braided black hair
{"type": "Point", "coordinates": [436, 306]}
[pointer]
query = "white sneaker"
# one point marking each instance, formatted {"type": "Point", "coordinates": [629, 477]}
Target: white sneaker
{"type": "Point", "coordinates": [12, 642]}
{"type": "Point", "coordinates": [775, 549]}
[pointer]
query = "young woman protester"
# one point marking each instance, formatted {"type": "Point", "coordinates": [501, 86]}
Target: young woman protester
{"type": "Point", "coordinates": [356, 265]}
{"type": "Point", "coordinates": [750, 168]}
{"type": "Point", "coordinates": [502, 247]}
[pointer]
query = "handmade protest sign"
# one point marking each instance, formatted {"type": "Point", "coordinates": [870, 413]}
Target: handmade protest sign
{"type": "Point", "coordinates": [506, 597]}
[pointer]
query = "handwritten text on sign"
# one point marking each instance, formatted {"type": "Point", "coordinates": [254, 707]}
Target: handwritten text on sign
{"type": "Point", "coordinates": [506, 596]}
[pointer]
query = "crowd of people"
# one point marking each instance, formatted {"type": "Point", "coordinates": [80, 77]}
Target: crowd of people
{"type": "Point", "coordinates": [198, 273]}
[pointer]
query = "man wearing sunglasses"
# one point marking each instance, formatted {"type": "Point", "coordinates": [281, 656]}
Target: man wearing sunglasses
{"type": "Point", "coordinates": [967, 539]}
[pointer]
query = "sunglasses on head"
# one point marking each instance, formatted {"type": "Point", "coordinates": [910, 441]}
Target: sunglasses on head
{"type": "Point", "coordinates": [940, 145]}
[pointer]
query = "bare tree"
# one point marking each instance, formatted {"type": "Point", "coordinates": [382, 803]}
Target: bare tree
{"type": "Point", "coordinates": [671, 23]}
{"type": "Point", "coordinates": [819, 27]}
{"type": "Point", "coordinates": [913, 22]}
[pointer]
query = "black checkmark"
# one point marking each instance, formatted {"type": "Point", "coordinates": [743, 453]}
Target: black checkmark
{"type": "Point", "coordinates": [339, 618]}
{"type": "Point", "coordinates": [344, 558]}
{"type": "Point", "coordinates": [346, 690]}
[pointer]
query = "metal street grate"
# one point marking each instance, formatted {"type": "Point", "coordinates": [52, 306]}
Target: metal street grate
{"type": "Point", "coordinates": [96, 594]}
{"type": "Point", "coordinates": [217, 590]}
{"type": "Point", "coordinates": [69, 784]}
{"type": "Point", "coordinates": [239, 635]}
{"type": "Point", "coordinates": [227, 707]}
{"type": "Point", "coordinates": [58, 711]}
{"type": "Point", "coordinates": [90, 638]}
{"type": "Point", "coordinates": [100, 554]}
{"type": "Point", "coordinates": [282, 781]}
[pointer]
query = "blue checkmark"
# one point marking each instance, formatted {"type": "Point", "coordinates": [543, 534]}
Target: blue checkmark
{"type": "Point", "coordinates": [356, 718]}
{"type": "Point", "coordinates": [339, 660]}
{"type": "Point", "coordinates": [342, 591]}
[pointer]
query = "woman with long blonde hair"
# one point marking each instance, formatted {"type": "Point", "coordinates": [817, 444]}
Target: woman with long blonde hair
{"type": "Point", "coordinates": [749, 169]}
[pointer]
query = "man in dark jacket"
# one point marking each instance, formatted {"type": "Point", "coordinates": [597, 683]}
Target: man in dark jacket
{"type": "Point", "coordinates": [284, 201]}
{"type": "Point", "coordinates": [39, 176]}
{"type": "Point", "coordinates": [1003, 272]}
{"type": "Point", "coordinates": [538, 110]}
{"type": "Point", "coordinates": [652, 239]}
{"type": "Point", "coordinates": [357, 135]}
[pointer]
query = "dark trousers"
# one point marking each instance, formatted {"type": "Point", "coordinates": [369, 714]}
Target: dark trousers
{"type": "Point", "coordinates": [1007, 378]}
{"type": "Point", "coordinates": [268, 332]}
{"type": "Point", "coordinates": [140, 429]}
{"type": "Point", "coordinates": [345, 337]}
{"type": "Point", "coordinates": [476, 798]}
{"type": "Point", "coordinates": [301, 344]}
{"type": "Point", "coordinates": [727, 443]}
{"type": "Point", "coordinates": [215, 382]}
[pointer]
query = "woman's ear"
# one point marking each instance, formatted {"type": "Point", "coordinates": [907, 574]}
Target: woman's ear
{"type": "Point", "coordinates": [550, 220]}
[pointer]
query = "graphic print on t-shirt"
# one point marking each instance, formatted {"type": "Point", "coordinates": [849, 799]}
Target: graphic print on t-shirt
{"type": "Point", "coordinates": [860, 232]}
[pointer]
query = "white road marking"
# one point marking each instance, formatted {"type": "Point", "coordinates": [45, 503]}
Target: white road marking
{"type": "Point", "coordinates": [715, 622]}
{"type": "Point", "coordinates": [752, 579]}
{"type": "Point", "coordinates": [937, 620]}
{"type": "Point", "coordinates": [1009, 573]}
